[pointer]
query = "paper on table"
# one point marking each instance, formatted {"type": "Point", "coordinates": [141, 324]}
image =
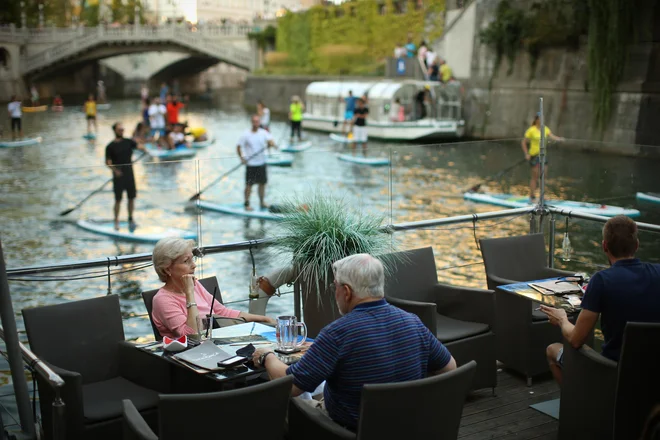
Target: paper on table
{"type": "Point", "coordinates": [552, 286]}
{"type": "Point", "coordinates": [574, 300]}
{"type": "Point", "coordinates": [254, 328]}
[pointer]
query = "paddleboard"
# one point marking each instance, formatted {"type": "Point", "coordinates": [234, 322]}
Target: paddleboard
{"type": "Point", "coordinates": [38, 108]}
{"type": "Point", "coordinates": [148, 234]}
{"type": "Point", "coordinates": [280, 160]}
{"type": "Point", "coordinates": [202, 144]}
{"type": "Point", "coordinates": [22, 143]}
{"type": "Point", "coordinates": [512, 201]}
{"type": "Point", "coordinates": [342, 139]}
{"type": "Point", "coordinates": [361, 160]}
{"type": "Point", "coordinates": [89, 136]}
{"type": "Point", "coordinates": [177, 153]}
{"type": "Point", "coordinates": [57, 108]}
{"type": "Point", "coordinates": [296, 147]}
{"type": "Point", "coordinates": [238, 209]}
{"type": "Point", "coordinates": [648, 197]}
{"type": "Point", "coordinates": [105, 106]}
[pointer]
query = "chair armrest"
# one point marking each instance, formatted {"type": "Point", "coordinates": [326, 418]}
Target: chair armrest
{"type": "Point", "coordinates": [425, 311]}
{"type": "Point", "coordinates": [306, 422]}
{"type": "Point", "coordinates": [550, 272]}
{"type": "Point", "coordinates": [142, 368]}
{"type": "Point", "coordinates": [588, 388]}
{"type": "Point", "coordinates": [71, 394]}
{"type": "Point", "coordinates": [465, 303]}
{"type": "Point", "coordinates": [134, 426]}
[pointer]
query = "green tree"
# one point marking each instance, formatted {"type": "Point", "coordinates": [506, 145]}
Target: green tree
{"type": "Point", "coordinates": [11, 12]}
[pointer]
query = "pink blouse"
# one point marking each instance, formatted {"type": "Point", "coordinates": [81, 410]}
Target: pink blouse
{"type": "Point", "coordinates": [170, 314]}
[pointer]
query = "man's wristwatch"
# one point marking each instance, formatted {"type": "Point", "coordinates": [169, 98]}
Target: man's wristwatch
{"type": "Point", "coordinates": [263, 357]}
{"type": "Point", "coordinates": [190, 304]}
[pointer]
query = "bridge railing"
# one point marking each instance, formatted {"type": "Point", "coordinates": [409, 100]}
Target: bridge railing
{"type": "Point", "coordinates": [59, 34]}
{"type": "Point", "coordinates": [205, 40]}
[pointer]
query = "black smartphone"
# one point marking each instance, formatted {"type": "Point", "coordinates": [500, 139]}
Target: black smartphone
{"type": "Point", "coordinates": [232, 361]}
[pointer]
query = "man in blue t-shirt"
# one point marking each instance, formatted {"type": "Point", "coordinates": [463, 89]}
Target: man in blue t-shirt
{"type": "Point", "coordinates": [411, 48]}
{"type": "Point", "coordinates": [629, 291]}
{"type": "Point", "coordinates": [349, 101]}
{"type": "Point", "coordinates": [373, 342]}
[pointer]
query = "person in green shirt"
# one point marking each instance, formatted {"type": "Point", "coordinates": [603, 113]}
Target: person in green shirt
{"type": "Point", "coordinates": [296, 110]}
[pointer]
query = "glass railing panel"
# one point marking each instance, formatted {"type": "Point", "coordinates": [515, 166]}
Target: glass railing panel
{"type": "Point", "coordinates": [455, 247]}
{"type": "Point", "coordinates": [429, 180]}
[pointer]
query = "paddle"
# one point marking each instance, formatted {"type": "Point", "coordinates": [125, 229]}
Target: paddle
{"type": "Point", "coordinates": [99, 189]}
{"type": "Point", "coordinates": [497, 176]}
{"type": "Point", "coordinates": [336, 121]}
{"type": "Point", "coordinates": [196, 196]}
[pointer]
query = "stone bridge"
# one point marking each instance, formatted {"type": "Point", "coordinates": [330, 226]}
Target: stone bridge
{"type": "Point", "coordinates": [48, 50]}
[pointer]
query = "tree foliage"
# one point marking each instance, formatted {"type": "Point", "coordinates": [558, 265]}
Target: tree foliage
{"type": "Point", "coordinates": [378, 25]}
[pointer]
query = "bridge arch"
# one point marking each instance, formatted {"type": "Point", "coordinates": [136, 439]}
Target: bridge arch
{"type": "Point", "coordinates": [102, 43]}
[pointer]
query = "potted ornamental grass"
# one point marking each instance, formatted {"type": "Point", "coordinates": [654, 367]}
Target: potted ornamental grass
{"type": "Point", "coordinates": [316, 230]}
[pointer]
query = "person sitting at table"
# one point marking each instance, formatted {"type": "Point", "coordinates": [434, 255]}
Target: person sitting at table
{"type": "Point", "coordinates": [177, 305]}
{"type": "Point", "coordinates": [363, 336]}
{"type": "Point", "coordinates": [628, 291]}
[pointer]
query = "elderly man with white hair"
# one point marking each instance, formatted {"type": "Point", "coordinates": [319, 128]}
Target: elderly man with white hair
{"type": "Point", "coordinates": [394, 344]}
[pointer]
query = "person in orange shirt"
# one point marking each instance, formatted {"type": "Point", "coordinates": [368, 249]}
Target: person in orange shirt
{"type": "Point", "coordinates": [173, 106]}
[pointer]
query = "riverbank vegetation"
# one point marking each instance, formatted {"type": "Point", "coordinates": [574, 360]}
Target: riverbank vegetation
{"type": "Point", "coordinates": [606, 27]}
{"type": "Point", "coordinates": [353, 38]}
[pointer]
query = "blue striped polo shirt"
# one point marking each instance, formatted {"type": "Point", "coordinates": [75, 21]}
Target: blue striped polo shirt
{"type": "Point", "coordinates": [374, 343]}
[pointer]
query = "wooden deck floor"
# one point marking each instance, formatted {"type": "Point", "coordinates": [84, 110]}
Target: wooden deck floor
{"type": "Point", "coordinates": [507, 415]}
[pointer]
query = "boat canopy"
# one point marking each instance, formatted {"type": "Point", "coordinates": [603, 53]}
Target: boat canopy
{"type": "Point", "coordinates": [325, 98]}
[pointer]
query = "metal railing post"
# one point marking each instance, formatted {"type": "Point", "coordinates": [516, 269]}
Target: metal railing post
{"type": "Point", "coordinates": [542, 155]}
{"type": "Point", "coordinates": [297, 303]}
{"type": "Point", "coordinates": [551, 242]}
{"type": "Point", "coordinates": [14, 353]}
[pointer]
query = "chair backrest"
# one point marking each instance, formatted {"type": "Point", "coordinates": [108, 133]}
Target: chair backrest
{"type": "Point", "coordinates": [520, 258]}
{"type": "Point", "coordinates": [80, 336]}
{"type": "Point", "coordinates": [411, 274]}
{"type": "Point", "coordinates": [196, 415]}
{"type": "Point", "coordinates": [209, 284]}
{"type": "Point", "coordinates": [425, 408]}
{"type": "Point", "coordinates": [638, 383]}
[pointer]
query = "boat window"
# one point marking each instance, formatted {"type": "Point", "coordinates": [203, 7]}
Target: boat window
{"type": "Point", "coordinates": [449, 102]}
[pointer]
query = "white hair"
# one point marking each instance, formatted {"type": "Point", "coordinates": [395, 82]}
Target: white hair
{"type": "Point", "coordinates": [363, 273]}
{"type": "Point", "coordinates": [166, 251]}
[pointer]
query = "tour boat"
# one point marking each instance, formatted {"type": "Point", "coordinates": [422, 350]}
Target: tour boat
{"type": "Point", "coordinates": [325, 108]}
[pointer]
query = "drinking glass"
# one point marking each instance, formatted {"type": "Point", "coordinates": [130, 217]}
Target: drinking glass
{"type": "Point", "coordinates": [287, 333]}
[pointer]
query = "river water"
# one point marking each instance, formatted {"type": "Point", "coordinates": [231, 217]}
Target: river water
{"type": "Point", "coordinates": [424, 182]}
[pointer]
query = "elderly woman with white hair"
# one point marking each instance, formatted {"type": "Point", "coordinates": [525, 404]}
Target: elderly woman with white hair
{"type": "Point", "coordinates": [179, 303]}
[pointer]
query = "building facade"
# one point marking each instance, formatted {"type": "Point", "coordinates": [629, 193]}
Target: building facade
{"type": "Point", "coordinates": [245, 11]}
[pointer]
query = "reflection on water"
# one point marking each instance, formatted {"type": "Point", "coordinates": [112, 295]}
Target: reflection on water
{"type": "Point", "coordinates": [424, 182]}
